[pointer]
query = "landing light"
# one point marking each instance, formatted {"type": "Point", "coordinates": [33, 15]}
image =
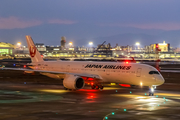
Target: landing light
{"type": "Point", "coordinates": [141, 83]}
{"type": "Point", "coordinates": [152, 89]}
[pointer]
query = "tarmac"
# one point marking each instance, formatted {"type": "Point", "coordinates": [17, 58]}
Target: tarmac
{"type": "Point", "coordinates": [37, 97]}
{"type": "Point", "coordinates": [52, 102]}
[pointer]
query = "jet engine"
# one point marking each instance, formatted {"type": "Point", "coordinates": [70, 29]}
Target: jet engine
{"type": "Point", "coordinates": [73, 82]}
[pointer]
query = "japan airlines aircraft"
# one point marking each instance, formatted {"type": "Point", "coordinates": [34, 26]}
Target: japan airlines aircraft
{"type": "Point", "coordinates": [76, 73]}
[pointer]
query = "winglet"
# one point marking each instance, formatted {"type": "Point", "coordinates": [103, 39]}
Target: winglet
{"type": "Point", "coordinates": [34, 53]}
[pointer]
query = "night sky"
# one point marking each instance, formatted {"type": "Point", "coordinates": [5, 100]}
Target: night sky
{"type": "Point", "coordinates": [116, 21]}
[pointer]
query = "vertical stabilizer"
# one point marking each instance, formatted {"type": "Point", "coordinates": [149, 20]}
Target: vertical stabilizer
{"type": "Point", "coordinates": [34, 53]}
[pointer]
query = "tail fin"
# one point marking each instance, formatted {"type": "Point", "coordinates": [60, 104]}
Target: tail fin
{"type": "Point", "coordinates": [34, 53]}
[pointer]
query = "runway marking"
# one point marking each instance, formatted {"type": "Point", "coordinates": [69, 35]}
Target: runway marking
{"type": "Point", "coordinates": [54, 91]}
{"type": "Point", "coordinates": [24, 97]}
{"type": "Point", "coordinates": [168, 94]}
{"type": "Point", "coordinates": [112, 88]}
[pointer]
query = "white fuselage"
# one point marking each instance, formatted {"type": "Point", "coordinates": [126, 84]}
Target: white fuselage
{"type": "Point", "coordinates": [116, 72]}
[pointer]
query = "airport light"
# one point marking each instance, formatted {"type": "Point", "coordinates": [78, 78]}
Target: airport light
{"type": "Point", "coordinates": [19, 44]}
{"type": "Point", "coordinates": [70, 43]}
{"type": "Point", "coordinates": [90, 43]}
{"type": "Point", "coordinates": [137, 43]}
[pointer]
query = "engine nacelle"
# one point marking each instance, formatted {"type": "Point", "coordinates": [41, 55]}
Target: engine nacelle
{"type": "Point", "coordinates": [73, 82]}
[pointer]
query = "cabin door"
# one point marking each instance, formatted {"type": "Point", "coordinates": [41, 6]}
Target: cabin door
{"type": "Point", "coordinates": [107, 72]}
{"type": "Point", "coordinates": [138, 74]}
{"type": "Point", "coordinates": [67, 68]}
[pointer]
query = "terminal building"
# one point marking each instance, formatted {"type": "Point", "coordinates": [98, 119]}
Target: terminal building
{"type": "Point", "coordinates": [163, 47]}
{"type": "Point", "coordinates": [6, 50]}
{"type": "Point", "coordinates": [101, 51]}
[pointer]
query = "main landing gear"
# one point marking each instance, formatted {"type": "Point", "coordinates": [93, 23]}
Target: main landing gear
{"type": "Point", "coordinates": [97, 87]}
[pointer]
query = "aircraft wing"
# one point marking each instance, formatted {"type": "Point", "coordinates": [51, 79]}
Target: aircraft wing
{"type": "Point", "coordinates": [96, 77]}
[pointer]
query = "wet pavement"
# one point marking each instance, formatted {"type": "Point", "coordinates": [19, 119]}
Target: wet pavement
{"type": "Point", "coordinates": [52, 102]}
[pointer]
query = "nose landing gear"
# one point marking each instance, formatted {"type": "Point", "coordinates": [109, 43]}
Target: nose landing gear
{"type": "Point", "coordinates": [151, 91]}
{"type": "Point", "coordinates": [93, 86]}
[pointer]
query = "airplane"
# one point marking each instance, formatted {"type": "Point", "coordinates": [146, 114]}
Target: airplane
{"type": "Point", "coordinates": [76, 73]}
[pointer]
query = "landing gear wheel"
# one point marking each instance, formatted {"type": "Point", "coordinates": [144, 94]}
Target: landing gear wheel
{"type": "Point", "coordinates": [97, 87]}
{"type": "Point", "coordinates": [92, 86]}
{"type": "Point", "coordinates": [65, 88]}
{"type": "Point", "coordinates": [151, 94]}
{"type": "Point", "coordinates": [101, 87]}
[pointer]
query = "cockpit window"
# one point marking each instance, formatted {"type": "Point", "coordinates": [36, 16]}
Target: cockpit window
{"type": "Point", "coordinates": [153, 72]}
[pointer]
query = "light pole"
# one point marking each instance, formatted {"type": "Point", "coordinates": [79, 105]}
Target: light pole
{"type": "Point", "coordinates": [19, 47]}
{"type": "Point", "coordinates": [19, 44]}
{"type": "Point", "coordinates": [90, 44]}
{"type": "Point", "coordinates": [70, 44]}
{"type": "Point", "coordinates": [137, 44]}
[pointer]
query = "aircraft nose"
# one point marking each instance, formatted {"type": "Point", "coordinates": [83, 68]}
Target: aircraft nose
{"type": "Point", "coordinates": [160, 80]}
